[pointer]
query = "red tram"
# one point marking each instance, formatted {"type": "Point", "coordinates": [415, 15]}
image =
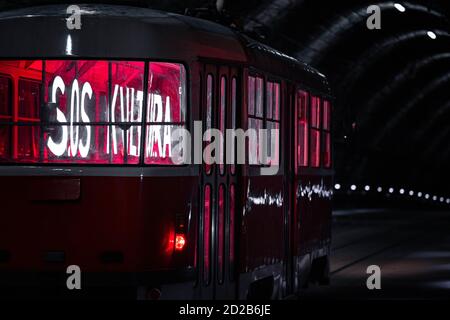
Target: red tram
{"type": "Point", "coordinates": [88, 170]}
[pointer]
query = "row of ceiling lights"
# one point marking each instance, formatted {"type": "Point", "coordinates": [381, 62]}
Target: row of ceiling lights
{"type": "Point", "coordinates": [402, 9]}
{"type": "Point", "coordinates": [401, 191]}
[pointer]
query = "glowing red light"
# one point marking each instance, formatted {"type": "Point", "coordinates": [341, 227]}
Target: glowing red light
{"type": "Point", "coordinates": [180, 242]}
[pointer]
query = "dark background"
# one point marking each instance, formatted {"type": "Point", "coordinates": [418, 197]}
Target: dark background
{"type": "Point", "coordinates": [391, 128]}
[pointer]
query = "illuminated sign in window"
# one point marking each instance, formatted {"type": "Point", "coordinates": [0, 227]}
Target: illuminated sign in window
{"type": "Point", "coordinates": [87, 111]}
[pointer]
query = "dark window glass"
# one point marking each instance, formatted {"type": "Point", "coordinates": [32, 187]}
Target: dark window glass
{"type": "Point", "coordinates": [269, 100]}
{"type": "Point", "coordinates": [5, 98]}
{"type": "Point", "coordinates": [327, 151]}
{"type": "Point", "coordinates": [303, 119]}
{"type": "Point", "coordinates": [233, 116]}
{"type": "Point", "coordinates": [251, 95]}
{"type": "Point", "coordinates": [223, 107]}
{"type": "Point", "coordinates": [29, 99]}
{"type": "Point", "coordinates": [327, 134]}
{"type": "Point", "coordinates": [166, 112]}
{"type": "Point", "coordinates": [315, 132]}
{"type": "Point", "coordinates": [5, 143]}
{"type": "Point", "coordinates": [221, 235]}
{"type": "Point", "coordinates": [276, 101]}
{"type": "Point", "coordinates": [207, 235]}
{"type": "Point", "coordinates": [209, 116]}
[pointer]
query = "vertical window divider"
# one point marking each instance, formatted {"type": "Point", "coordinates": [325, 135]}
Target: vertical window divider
{"type": "Point", "coordinates": [144, 114]}
{"type": "Point", "coordinates": [110, 151]}
{"type": "Point", "coordinates": [41, 113]}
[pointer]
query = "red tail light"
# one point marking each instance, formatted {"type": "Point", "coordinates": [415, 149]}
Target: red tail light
{"type": "Point", "coordinates": [180, 242]}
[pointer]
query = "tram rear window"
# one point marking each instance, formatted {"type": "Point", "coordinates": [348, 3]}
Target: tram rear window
{"type": "Point", "coordinates": [91, 112]}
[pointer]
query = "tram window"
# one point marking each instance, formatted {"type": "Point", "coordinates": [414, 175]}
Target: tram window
{"type": "Point", "coordinates": [29, 99]}
{"type": "Point", "coordinates": [259, 97]}
{"type": "Point", "coordinates": [222, 123]}
{"type": "Point", "coordinates": [272, 121]}
{"type": "Point", "coordinates": [255, 117]}
{"type": "Point", "coordinates": [256, 125]}
{"type": "Point", "coordinates": [209, 101]}
{"type": "Point", "coordinates": [255, 96]}
{"type": "Point", "coordinates": [302, 140]}
{"type": "Point", "coordinates": [326, 115]}
{"type": "Point", "coordinates": [269, 99]}
{"type": "Point", "coordinates": [276, 104]}
{"type": "Point", "coordinates": [5, 138]}
{"type": "Point", "coordinates": [315, 132]}
{"type": "Point", "coordinates": [93, 92]}
{"type": "Point", "coordinates": [5, 116]}
{"type": "Point", "coordinates": [28, 134]}
{"type": "Point", "coordinates": [28, 143]}
{"type": "Point", "coordinates": [233, 116]}
{"type": "Point", "coordinates": [315, 112]}
{"type": "Point", "coordinates": [91, 111]}
{"type": "Point", "coordinates": [209, 116]}
{"type": "Point", "coordinates": [266, 117]}
{"type": "Point", "coordinates": [327, 134]}
{"type": "Point", "coordinates": [251, 95]}
{"type": "Point", "coordinates": [166, 111]}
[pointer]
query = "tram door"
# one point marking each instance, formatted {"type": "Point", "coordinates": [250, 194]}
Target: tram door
{"type": "Point", "coordinates": [217, 257]}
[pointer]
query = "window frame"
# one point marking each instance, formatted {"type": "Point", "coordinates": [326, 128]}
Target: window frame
{"type": "Point", "coordinates": [307, 93]}
{"type": "Point", "coordinates": [326, 133]}
{"type": "Point", "coordinates": [143, 123]}
{"type": "Point", "coordinates": [274, 120]}
{"type": "Point", "coordinates": [315, 129]}
{"type": "Point", "coordinates": [266, 79]}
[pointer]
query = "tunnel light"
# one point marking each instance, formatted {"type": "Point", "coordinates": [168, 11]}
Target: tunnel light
{"type": "Point", "coordinates": [402, 191]}
{"type": "Point", "coordinates": [441, 199]}
{"type": "Point", "coordinates": [353, 187]}
{"type": "Point", "coordinates": [69, 45]}
{"type": "Point", "coordinates": [379, 189]}
{"type": "Point", "coordinates": [391, 190]}
{"type": "Point", "coordinates": [411, 193]}
{"type": "Point", "coordinates": [399, 7]}
{"type": "Point", "coordinates": [337, 186]}
{"type": "Point", "coordinates": [367, 188]}
{"type": "Point", "coordinates": [448, 200]}
{"type": "Point", "coordinates": [434, 198]}
{"type": "Point", "coordinates": [419, 194]}
{"type": "Point", "coordinates": [432, 35]}
{"type": "Point", "coordinates": [427, 196]}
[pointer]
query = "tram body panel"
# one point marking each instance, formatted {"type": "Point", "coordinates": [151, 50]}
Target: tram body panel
{"type": "Point", "coordinates": [87, 218]}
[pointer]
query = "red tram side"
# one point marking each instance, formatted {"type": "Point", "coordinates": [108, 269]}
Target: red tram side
{"type": "Point", "coordinates": [91, 174]}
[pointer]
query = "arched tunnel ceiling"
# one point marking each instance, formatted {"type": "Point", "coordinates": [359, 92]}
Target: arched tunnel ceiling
{"type": "Point", "coordinates": [391, 85]}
